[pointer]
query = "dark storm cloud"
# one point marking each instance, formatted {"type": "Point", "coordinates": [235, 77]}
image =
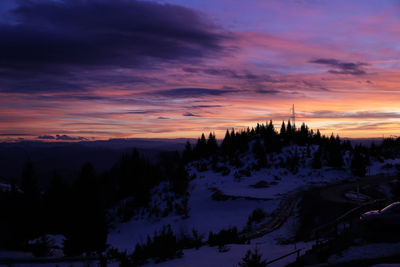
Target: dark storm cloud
{"type": "Point", "coordinates": [62, 37]}
{"type": "Point", "coordinates": [192, 92]}
{"type": "Point", "coordinates": [341, 67]}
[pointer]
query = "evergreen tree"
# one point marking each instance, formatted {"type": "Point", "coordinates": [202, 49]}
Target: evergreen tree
{"type": "Point", "coordinates": [212, 145]}
{"type": "Point", "coordinates": [88, 227]}
{"type": "Point", "coordinates": [259, 154]}
{"type": "Point", "coordinates": [317, 137]}
{"type": "Point", "coordinates": [308, 151]}
{"type": "Point", "coordinates": [180, 181]}
{"type": "Point", "coordinates": [316, 161]}
{"type": "Point", "coordinates": [31, 207]}
{"type": "Point", "coordinates": [303, 135]}
{"type": "Point", "coordinates": [358, 163]}
{"type": "Point", "coordinates": [187, 152]}
{"type": "Point", "coordinates": [292, 162]}
{"type": "Point", "coordinates": [270, 128]}
{"type": "Point", "coordinates": [201, 146]}
{"type": "Point", "coordinates": [233, 135]}
{"type": "Point", "coordinates": [283, 129]}
{"type": "Point", "coordinates": [163, 246]}
{"type": "Point", "coordinates": [226, 142]}
{"type": "Point", "coordinates": [29, 185]}
{"type": "Point", "coordinates": [289, 130]}
{"type": "Point", "coordinates": [334, 153]}
{"type": "Point", "coordinates": [56, 201]}
{"type": "Point", "coordinates": [135, 176]}
{"type": "Point", "coordinates": [253, 259]}
{"type": "Point", "coordinates": [13, 219]}
{"type": "Point", "coordinates": [258, 128]}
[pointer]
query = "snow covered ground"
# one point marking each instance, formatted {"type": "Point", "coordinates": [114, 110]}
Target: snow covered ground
{"type": "Point", "coordinates": [269, 246]}
{"type": "Point", "coordinates": [207, 215]}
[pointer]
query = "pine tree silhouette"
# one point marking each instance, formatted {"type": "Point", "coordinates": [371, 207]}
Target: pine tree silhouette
{"type": "Point", "coordinates": [283, 130]}
{"type": "Point", "coordinates": [253, 259]}
{"type": "Point", "coordinates": [31, 203]}
{"type": "Point", "coordinates": [212, 145]}
{"type": "Point", "coordinates": [88, 228]}
{"type": "Point", "coordinates": [187, 152]}
{"type": "Point", "coordinates": [358, 163]}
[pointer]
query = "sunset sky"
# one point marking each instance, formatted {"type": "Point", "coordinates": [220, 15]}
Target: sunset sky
{"type": "Point", "coordinates": [99, 69]}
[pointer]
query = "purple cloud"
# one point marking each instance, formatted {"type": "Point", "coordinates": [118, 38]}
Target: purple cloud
{"type": "Point", "coordinates": [46, 137]}
{"type": "Point", "coordinates": [341, 67]}
{"type": "Point", "coordinates": [193, 92]}
{"type": "Point", "coordinates": [65, 137]}
{"type": "Point", "coordinates": [50, 40]}
{"type": "Point", "coordinates": [189, 114]}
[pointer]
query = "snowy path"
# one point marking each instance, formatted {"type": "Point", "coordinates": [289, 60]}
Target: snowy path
{"type": "Point", "coordinates": [279, 217]}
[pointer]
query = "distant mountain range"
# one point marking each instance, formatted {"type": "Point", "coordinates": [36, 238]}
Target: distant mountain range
{"type": "Point", "coordinates": [67, 157]}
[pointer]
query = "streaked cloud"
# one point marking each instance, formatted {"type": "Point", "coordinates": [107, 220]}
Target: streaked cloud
{"type": "Point", "coordinates": [351, 114]}
{"type": "Point", "coordinates": [192, 92]}
{"type": "Point", "coordinates": [342, 67]}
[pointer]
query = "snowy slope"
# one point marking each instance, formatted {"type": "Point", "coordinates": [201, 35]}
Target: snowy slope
{"type": "Point", "coordinates": [269, 246]}
{"type": "Point", "coordinates": [207, 215]}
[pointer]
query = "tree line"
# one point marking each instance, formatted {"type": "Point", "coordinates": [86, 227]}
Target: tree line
{"type": "Point", "coordinates": [79, 210]}
{"type": "Point", "coordinates": [264, 140]}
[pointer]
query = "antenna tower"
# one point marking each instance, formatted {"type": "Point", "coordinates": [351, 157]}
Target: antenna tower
{"type": "Point", "coordinates": [293, 117]}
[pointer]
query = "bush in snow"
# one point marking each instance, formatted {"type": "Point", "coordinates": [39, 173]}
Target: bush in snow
{"type": "Point", "coordinates": [41, 247]}
{"type": "Point", "coordinates": [256, 216]}
{"type": "Point", "coordinates": [316, 161]}
{"type": "Point", "coordinates": [229, 236]}
{"type": "Point", "coordinates": [358, 162]}
{"type": "Point", "coordinates": [164, 245]}
{"type": "Point", "coordinates": [182, 208]}
{"type": "Point", "coordinates": [252, 259]}
{"type": "Point", "coordinates": [186, 241]}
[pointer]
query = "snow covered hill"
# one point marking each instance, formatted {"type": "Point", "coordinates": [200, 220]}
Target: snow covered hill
{"type": "Point", "coordinates": [220, 200]}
